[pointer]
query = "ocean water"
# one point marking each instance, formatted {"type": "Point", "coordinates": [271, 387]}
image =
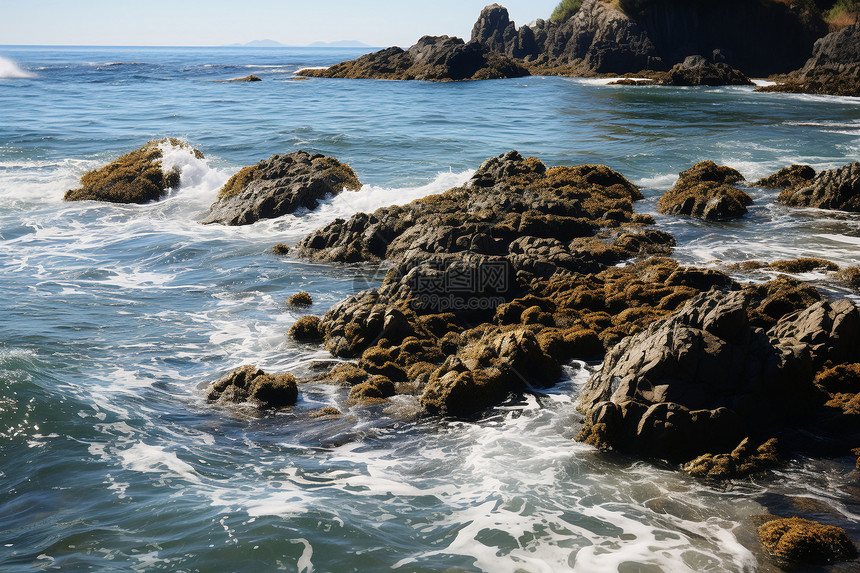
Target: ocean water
{"type": "Point", "coordinates": [114, 319]}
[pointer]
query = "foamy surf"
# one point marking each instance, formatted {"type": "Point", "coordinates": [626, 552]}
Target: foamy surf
{"type": "Point", "coordinates": [11, 70]}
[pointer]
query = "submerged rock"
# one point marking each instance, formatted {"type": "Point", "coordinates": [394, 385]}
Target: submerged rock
{"type": "Point", "coordinates": [251, 78]}
{"type": "Point", "coordinates": [252, 385]}
{"type": "Point", "coordinates": [136, 177]}
{"type": "Point", "coordinates": [705, 191]}
{"type": "Point", "coordinates": [798, 540]}
{"type": "Point", "coordinates": [432, 58]}
{"type": "Point", "coordinates": [837, 189]}
{"type": "Point", "coordinates": [278, 186]}
{"type": "Point", "coordinates": [697, 71]}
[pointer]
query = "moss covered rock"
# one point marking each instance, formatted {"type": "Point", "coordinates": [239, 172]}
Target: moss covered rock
{"type": "Point", "coordinates": [307, 329]}
{"type": "Point", "coordinates": [800, 540]}
{"type": "Point", "coordinates": [136, 177]}
{"type": "Point", "coordinates": [705, 191]}
{"type": "Point", "coordinates": [252, 385]}
{"type": "Point", "coordinates": [743, 461]}
{"type": "Point", "coordinates": [300, 299]}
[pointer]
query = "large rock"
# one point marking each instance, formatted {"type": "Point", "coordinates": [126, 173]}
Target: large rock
{"type": "Point", "coordinates": [697, 71]}
{"type": "Point", "coordinates": [432, 58]}
{"type": "Point", "coordinates": [705, 191]}
{"type": "Point", "coordinates": [833, 69]}
{"type": "Point", "coordinates": [832, 189]}
{"type": "Point", "coordinates": [278, 186]}
{"type": "Point", "coordinates": [136, 177]}
{"type": "Point", "coordinates": [702, 379]}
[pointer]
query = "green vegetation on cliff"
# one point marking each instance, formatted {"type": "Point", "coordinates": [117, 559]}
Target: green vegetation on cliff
{"type": "Point", "coordinates": [565, 9]}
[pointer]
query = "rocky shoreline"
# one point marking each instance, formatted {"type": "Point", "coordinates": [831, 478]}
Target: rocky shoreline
{"type": "Point", "coordinates": [662, 41]}
{"type": "Point", "coordinates": [493, 286]}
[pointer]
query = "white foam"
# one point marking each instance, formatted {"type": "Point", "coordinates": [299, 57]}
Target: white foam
{"type": "Point", "coordinates": [10, 70]}
{"type": "Point", "coordinates": [198, 179]}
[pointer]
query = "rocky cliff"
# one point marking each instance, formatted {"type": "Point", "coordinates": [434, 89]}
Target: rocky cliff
{"type": "Point", "coordinates": [759, 37]}
{"type": "Point", "coordinates": [834, 67]}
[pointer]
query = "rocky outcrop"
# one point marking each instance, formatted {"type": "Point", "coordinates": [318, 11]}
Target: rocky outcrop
{"type": "Point", "coordinates": [788, 178]}
{"type": "Point", "coordinates": [743, 461]}
{"type": "Point", "coordinates": [597, 39]}
{"type": "Point", "coordinates": [494, 284]}
{"type": "Point", "coordinates": [798, 540]}
{"type": "Point", "coordinates": [833, 69]}
{"type": "Point", "coordinates": [832, 189]}
{"type": "Point", "coordinates": [278, 186]}
{"type": "Point", "coordinates": [705, 191]}
{"type": "Point", "coordinates": [136, 177]}
{"type": "Point", "coordinates": [249, 384]}
{"type": "Point", "coordinates": [432, 58]}
{"type": "Point", "coordinates": [697, 71]}
{"type": "Point", "coordinates": [759, 38]}
{"type": "Point", "coordinates": [704, 378]}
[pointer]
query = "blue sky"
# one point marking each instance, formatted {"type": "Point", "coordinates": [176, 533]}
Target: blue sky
{"type": "Point", "coordinates": [219, 22]}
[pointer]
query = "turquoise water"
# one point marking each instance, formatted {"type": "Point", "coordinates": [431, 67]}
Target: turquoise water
{"type": "Point", "coordinates": [113, 319]}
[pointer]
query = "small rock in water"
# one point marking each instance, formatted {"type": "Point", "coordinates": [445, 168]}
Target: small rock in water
{"type": "Point", "coordinates": [300, 299]}
{"type": "Point", "coordinates": [788, 178]}
{"type": "Point", "coordinates": [799, 540]}
{"type": "Point", "coordinates": [250, 384]}
{"type": "Point", "coordinates": [307, 329]}
{"type": "Point", "coordinates": [705, 191]}
{"type": "Point", "coordinates": [136, 177]}
{"type": "Point", "coordinates": [278, 186]}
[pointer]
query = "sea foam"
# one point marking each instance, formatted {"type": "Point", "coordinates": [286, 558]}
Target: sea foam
{"type": "Point", "coordinates": [10, 70]}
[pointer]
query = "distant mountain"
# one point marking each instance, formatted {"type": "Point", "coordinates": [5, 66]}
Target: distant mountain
{"type": "Point", "coordinates": [340, 44]}
{"type": "Point", "coordinates": [261, 44]}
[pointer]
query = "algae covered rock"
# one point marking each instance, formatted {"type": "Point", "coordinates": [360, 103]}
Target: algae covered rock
{"type": "Point", "coordinates": [278, 186]}
{"type": "Point", "coordinates": [837, 189]}
{"type": "Point", "coordinates": [745, 460]}
{"type": "Point", "coordinates": [136, 177]}
{"type": "Point", "coordinates": [252, 385]}
{"type": "Point", "coordinates": [799, 540]}
{"type": "Point", "coordinates": [300, 299]}
{"type": "Point", "coordinates": [705, 191]}
{"type": "Point", "coordinates": [788, 178]}
{"type": "Point", "coordinates": [307, 329]}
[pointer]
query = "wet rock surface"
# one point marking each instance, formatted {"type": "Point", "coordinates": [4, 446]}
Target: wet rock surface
{"type": "Point", "coordinates": [837, 189]}
{"type": "Point", "coordinates": [703, 379]}
{"type": "Point", "coordinates": [697, 71]}
{"type": "Point", "coordinates": [705, 191]}
{"type": "Point", "coordinates": [136, 177]}
{"type": "Point", "coordinates": [278, 186]}
{"type": "Point", "coordinates": [432, 58]}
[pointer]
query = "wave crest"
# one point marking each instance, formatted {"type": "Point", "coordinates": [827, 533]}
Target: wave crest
{"type": "Point", "coordinates": [10, 70]}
